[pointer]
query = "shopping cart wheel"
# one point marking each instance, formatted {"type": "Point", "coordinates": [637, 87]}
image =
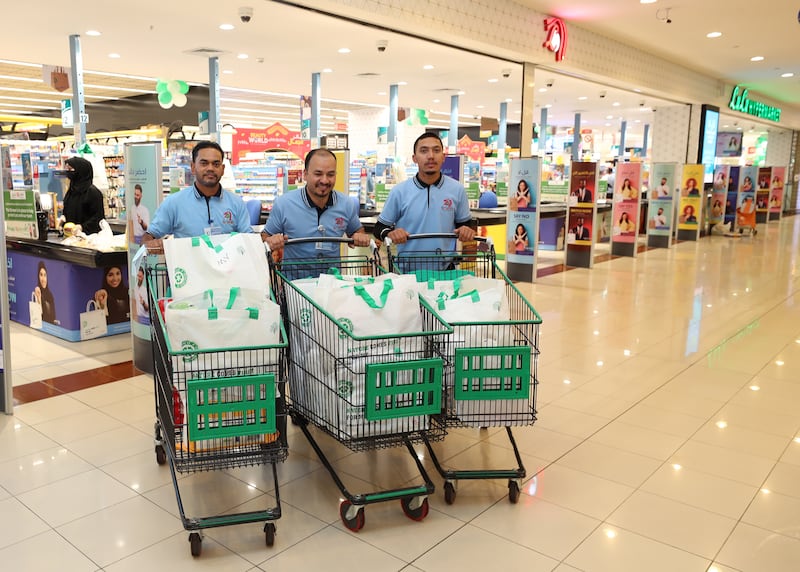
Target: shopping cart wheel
{"type": "Point", "coordinates": [513, 491]}
{"type": "Point", "coordinates": [197, 543]}
{"type": "Point", "coordinates": [161, 455]}
{"type": "Point", "coordinates": [449, 492]}
{"type": "Point", "coordinates": [352, 516]}
{"type": "Point", "coordinates": [269, 533]}
{"type": "Point", "coordinates": [415, 508]}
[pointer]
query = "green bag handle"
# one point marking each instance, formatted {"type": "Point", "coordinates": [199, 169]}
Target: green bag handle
{"type": "Point", "coordinates": [362, 293]}
{"type": "Point", "coordinates": [205, 239]}
{"type": "Point", "coordinates": [336, 273]}
{"type": "Point", "coordinates": [473, 294]}
{"type": "Point", "coordinates": [213, 313]}
{"type": "Point", "coordinates": [456, 286]}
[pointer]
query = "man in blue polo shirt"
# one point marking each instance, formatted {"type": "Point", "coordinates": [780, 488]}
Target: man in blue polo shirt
{"type": "Point", "coordinates": [204, 208]}
{"type": "Point", "coordinates": [316, 210]}
{"type": "Point", "coordinates": [430, 202]}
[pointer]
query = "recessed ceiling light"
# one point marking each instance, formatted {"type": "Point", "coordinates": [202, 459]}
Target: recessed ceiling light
{"type": "Point", "coordinates": [779, 362]}
{"type": "Point", "coordinates": [92, 33]}
{"type": "Point", "coordinates": [344, 50]}
{"type": "Point", "coordinates": [637, 90]}
{"type": "Point", "coordinates": [647, 1]}
{"type": "Point", "coordinates": [542, 89]}
{"type": "Point", "coordinates": [327, 70]}
{"type": "Point", "coordinates": [548, 106]}
{"type": "Point", "coordinates": [427, 67]}
{"type": "Point", "coordinates": [436, 100]}
{"type": "Point", "coordinates": [757, 59]}
{"type": "Point", "coordinates": [493, 80]}
{"type": "Point", "coordinates": [615, 104]}
{"type": "Point", "coordinates": [402, 83]}
{"type": "Point", "coordinates": [479, 106]}
{"type": "Point", "coordinates": [721, 424]}
{"type": "Point", "coordinates": [114, 55]}
{"type": "Point", "coordinates": [509, 100]}
{"type": "Point", "coordinates": [583, 98]}
{"type": "Point", "coordinates": [714, 35]}
{"type": "Point", "coordinates": [567, 382]}
{"type": "Point", "coordinates": [242, 56]}
{"type": "Point", "coordinates": [227, 71]}
{"type": "Point", "coordinates": [226, 27]}
{"type": "Point", "coordinates": [381, 93]}
{"type": "Point", "coordinates": [787, 74]}
{"type": "Point", "coordinates": [609, 117]}
{"type": "Point", "coordinates": [608, 125]}
{"type": "Point", "coordinates": [462, 92]}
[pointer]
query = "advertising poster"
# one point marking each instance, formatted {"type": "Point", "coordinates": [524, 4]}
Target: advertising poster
{"type": "Point", "coordinates": [660, 213]}
{"type": "Point", "coordinates": [143, 185]}
{"type": "Point", "coordinates": [52, 296]}
{"type": "Point", "coordinates": [628, 182]}
{"type": "Point", "coordinates": [305, 116]}
{"type": "Point", "coordinates": [729, 144]}
{"type": "Point", "coordinates": [763, 190]}
{"type": "Point", "coordinates": [732, 198]}
{"type": "Point", "coordinates": [690, 207]}
{"type": "Point", "coordinates": [776, 190]}
{"type": "Point", "coordinates": [719, 194]}
{"type": "Point", "coordinates": [27, 170]}
{"type": "Point", "coordinates": [663, 177]}
{"type": "Point", "coordinates": [453, 167]}
{"type": "Point", "coordinates": [19, 209]}
{"type": "Point", "coordinates": [748, 177]}
{"type": "Point", "coordinates": [625, 221]}
{"type": "Point", "coordinates": [627, 185]}
{"type": "Point", "coordinates": [583, 184]}
{"type": "Point", "coordinates": [522, 225]}
{"type": "Point", "coordinates": [580, 224]}
{"type": "Point", "coordinates": [746, 210]}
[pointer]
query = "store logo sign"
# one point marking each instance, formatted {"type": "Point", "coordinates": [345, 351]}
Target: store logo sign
{"type": "Point", "coordinates": [741, 102]}
{"type": "Point", "coordinates": [556, 40]}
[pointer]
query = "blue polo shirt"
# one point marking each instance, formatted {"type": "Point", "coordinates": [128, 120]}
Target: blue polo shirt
{"type": "Point", "coordinates": [419, 209]}
{"type": "Point", "coordinates": [188, 213]}
{"type": "Point", "coordinates": [294, 215]}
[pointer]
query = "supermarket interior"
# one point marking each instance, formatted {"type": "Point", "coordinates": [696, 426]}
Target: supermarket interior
{"type": "Point", "coordinates": [631, 172]}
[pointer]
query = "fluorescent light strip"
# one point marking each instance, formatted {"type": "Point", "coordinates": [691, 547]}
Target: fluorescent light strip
{"type": "Point", "coordinates": [43, 92]}
{"type": "Point", "coordinates": [30, 106]}
{"type": "Point", "coordinates": [111, 88]}
{"type": "Point", "coordinates": [17, 78]}
{"type": "Point", "coordinates": [16, 63]}
{"type": "Point", "coordinates": [29, 99]}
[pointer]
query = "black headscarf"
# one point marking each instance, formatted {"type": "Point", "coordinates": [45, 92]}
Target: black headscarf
{"type": "Point", "coordinates": [83, 203]}
{"type": "Point", "coordinates": [48, 302]}
{"type": "Point", "coordinates": [118, 301]}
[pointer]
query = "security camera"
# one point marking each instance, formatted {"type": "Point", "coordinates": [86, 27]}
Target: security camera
{"type": "Point", "coordinates": [506, 73]}
{"type": "Point", "coordinates": [669, 20]}
{"type": "Point", "coordinates": [550, 83]}
{"type": "Point", "coordinates": [602, 95]}
{"type": "Point", "coordinates": [382, 45]}
{"type": "Point", "coordinates": [641, 104]}
{"type": "Point", "coordinates": [245, 14]}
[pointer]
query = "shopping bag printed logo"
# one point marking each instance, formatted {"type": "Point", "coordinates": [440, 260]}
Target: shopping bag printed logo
{"type": "Point", "coordinates": [345, 389]}
{"type": "Point", "coordinates": [411, 294]}
{"type": "Point", "coordinates": [189, 346]}
{"type": "Point", "coordinates": [346, 325]}
{"type": "Point", "coordinates": [305, 317]}
{"type": "Point", "coordinates": [180, 277]}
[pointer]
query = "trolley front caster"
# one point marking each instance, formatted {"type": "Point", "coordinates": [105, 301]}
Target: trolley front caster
{"type": "Point", "coordinates": [449, 492]}
{"type": "Point", "coordinates": [196, 542]}
{"type": "Point", "coordinates": [161, 455]}
{"type": "Point", "coordinates": [352, 516]}
{"type": "Point", "coordinates": [415, 508]}
{"type": "Point", "coordinates": [269, 533]}
{"type": "Point", "coordinates": [513, 491]}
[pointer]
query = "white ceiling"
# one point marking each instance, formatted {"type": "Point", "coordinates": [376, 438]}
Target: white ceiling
{"type": "Point", "coordinates": [286, 45]}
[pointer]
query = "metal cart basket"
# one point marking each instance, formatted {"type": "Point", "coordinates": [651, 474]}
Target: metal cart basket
{"type": "Point", "coordinates": [491, 367]}
{"type": "Point", "coordinates": [366, 392]}
{"type": "Point", "coordinates": [216, 409]}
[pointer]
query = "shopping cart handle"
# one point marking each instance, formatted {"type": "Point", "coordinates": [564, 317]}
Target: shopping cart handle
{"type": "Point", "coordinates": [485, 239]}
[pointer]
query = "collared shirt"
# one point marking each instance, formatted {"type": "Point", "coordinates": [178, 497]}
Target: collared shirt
{"type": "Point", "coordinates": [296, 216]}
{"type": "Point", "coordinates": [190, 213]}
{"type": "Point", "coordinates": [420, 208]}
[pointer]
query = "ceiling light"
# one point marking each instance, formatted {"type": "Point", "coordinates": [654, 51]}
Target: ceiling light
{"type": "Point", "coordinates": [509, 100]}
{"type": "Point", "coordinates": [479, 106]}
{"type": "Point", "coordinates": [600, 364]}
{"type": "Point", "coordinates": [226, 27]}
{"type": "Point", "coordinates": [647, 1]}
{"type": "Point", "coordinates": [615, 104]}
{"type": "Point", "coordinates": [608, 125]}
{"type": "Point", "coordinates": [92, 33]}
{"type": "Point", "coordinates": [757, 59]}
{"type": "Point", "coordinates": [713, 34]}
{"type": "Point", "coordinates": [242, 56]}
{"type": "Point", "coordinates": [427, 67]}
{"type": "Point", "coordinates": [438, 100]}
{"type": "Point", "coordinates": [114, 55]}
{"type": "Point", "coordinates": [227, 71]}
{"type": "Point", "coordinates": [582, 98]}
{"type": "Point", "coordinates": [787, 74]}
{"type": "Point", "coordinates": [721, 424]}
{"type": "Point", "coordinates": [626, 353]}
{"type": "Point", "coordinates": [677, 466]}
{"type": "Point", "coordinates": [327, 70]}
{"type": "Point", "coordinates": [611, 533]}
{"type": "Point", "coordinates": [381, 93]}
{"type": "Point", "coordinates": [344, 50]}
{"type": "Point", "coordinates": [567, 382]}
{"type": "Point", "coordinates": [462, 92]}
{"type": "Point", "coordinates": [609, 117]}
{"type": "Point", "coordinates": [548, 106]}
{"type": "Point", "coordinates": [493, 80]}
{"type": "Point", "coordinates": [542, 89]}
{"type": "Point", "coordinates": [754, 388]}
{"type": "Point", "coordinates": [779, 362]}
{"type": "Point", "coordinates": [402, 83]}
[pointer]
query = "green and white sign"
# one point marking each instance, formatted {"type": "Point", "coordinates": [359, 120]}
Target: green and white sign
{"type": "Point", "coordinates": [19, 208]}
{"type": "Point", "coordinates": [741, 102]}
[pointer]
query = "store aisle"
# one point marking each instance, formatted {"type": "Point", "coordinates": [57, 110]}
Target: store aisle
{"type": "Point", "coordinates": [668, 440]}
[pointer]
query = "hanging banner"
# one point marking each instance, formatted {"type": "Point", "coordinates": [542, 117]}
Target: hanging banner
{"type": "Point", "coordinates": [690, 207]}
{"type": "Point", "coordinates": [660, 210]}
{"type": "Point", "coordinates": [719, 194]}
{"type": "Point", "coordinates": [522, 217]}
{"type": "Point", "coordinates": [776, 192]}
{"type": "Point", "coordinates": [475, 150]}
{"type": "Point", "coordinates": [274, 137]}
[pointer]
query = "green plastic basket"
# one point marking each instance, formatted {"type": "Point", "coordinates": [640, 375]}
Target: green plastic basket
{"type": "Point", "coordinates": [419, 393]}
{"type": "Point", "coordinates": [492, 373]}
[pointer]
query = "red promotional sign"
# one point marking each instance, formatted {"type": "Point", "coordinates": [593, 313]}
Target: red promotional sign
{"type": "Point", "coordinates": [274, 137]}
{"type": "Point", "coordinates": [475, 150]}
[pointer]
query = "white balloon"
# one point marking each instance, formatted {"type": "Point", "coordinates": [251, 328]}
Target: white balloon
{"type": "Point", "coordinates": [167, 106]}
{"type": "Point", "coordinates": [179, 99]}
{"type": "Point", "coordinates": [173, 86]}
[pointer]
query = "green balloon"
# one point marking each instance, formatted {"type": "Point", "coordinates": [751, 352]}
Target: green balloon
{"type": "Point", "coordinates": [165, 98]}
{"type": "Point", "coordinates": [183, 87]}
{"type": "Point", "coordinates": [161, 85]}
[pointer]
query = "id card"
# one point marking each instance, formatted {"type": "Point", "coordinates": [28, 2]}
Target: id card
{"type": "Point", "coordinates": [212, 230]}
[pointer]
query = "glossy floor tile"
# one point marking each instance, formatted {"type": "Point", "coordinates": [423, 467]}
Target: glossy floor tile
{"type": "Point", "coordinates": [668, 439]}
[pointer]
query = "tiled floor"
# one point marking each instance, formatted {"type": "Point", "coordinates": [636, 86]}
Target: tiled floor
{"type": "Point", "coordinates": [668, 439]}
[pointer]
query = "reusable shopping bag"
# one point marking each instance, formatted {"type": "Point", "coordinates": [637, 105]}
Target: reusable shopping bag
{"type": "Point", "coordinates": [35, 310]}
{"type": "Point", "coordinates": [225, 261]}
{"type": "Point", "coordinates": [93, 321]}
{"type": "Point", "coordinates": [220, 319]}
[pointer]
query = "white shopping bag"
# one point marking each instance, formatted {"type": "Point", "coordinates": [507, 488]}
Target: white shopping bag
{"type": "Point", "coordinates": [35, 310]}
{"type": "Point", "coordinates": [220, 319]}
{"type": "Point", "coordinates": [221, 261]}
{"type": "Point", "coordinates": [93, 321]}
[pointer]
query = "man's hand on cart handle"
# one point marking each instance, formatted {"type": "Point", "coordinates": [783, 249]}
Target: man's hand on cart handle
{"type": "Point", "coordinates": [274, 241]}
{"type": "Point", "coordinates": [362, 239]}
{"type": "Point", "coordinates": [396, 236]}
{"type": "Point", "coordinates": [465, 233]}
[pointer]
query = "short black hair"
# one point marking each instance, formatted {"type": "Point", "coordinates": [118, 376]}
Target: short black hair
{"type": "Point", "coordinates": [427, 135]}
{"type": "Point", "coordinates": [138, 186]}
{"type": "Point", "coordinates": [206, 145]}
{"type": "Point", "coordinates": [315, 151]}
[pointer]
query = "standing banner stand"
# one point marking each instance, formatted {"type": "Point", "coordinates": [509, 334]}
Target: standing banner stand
{"type": "Point", "coordinates": [143, 194]}
{"type": "Point", "coordinates": [690, 207]}
{"type": "Point", "coordinates": [762, 194]}
{"type": "Point", "coordinates": [581, 215]}
{"type": "Point", "coordinates": [732, 197]}
{"type": "Point", "coordinates": [660, 210]}
{"type": "Point", "coordinates": [776, 192]}
{"type": "Point", "coordinates": [522, 219]}
{"type": "Point", "coordinates": [746, 200]}
{"type": "Point", "coordinates": [625, 212]}
{"type": "Point", "coordinates": [719, 196]}
{"type": "Point", "coordinates": [6, 385]}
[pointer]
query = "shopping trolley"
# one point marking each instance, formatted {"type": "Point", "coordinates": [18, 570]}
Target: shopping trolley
{"type": "Point", "coordinates": [366, 392]}
{"type": "Point", "coordinates": [491, 386]}
{"type": "Point", "coordinates": [216, 409]}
